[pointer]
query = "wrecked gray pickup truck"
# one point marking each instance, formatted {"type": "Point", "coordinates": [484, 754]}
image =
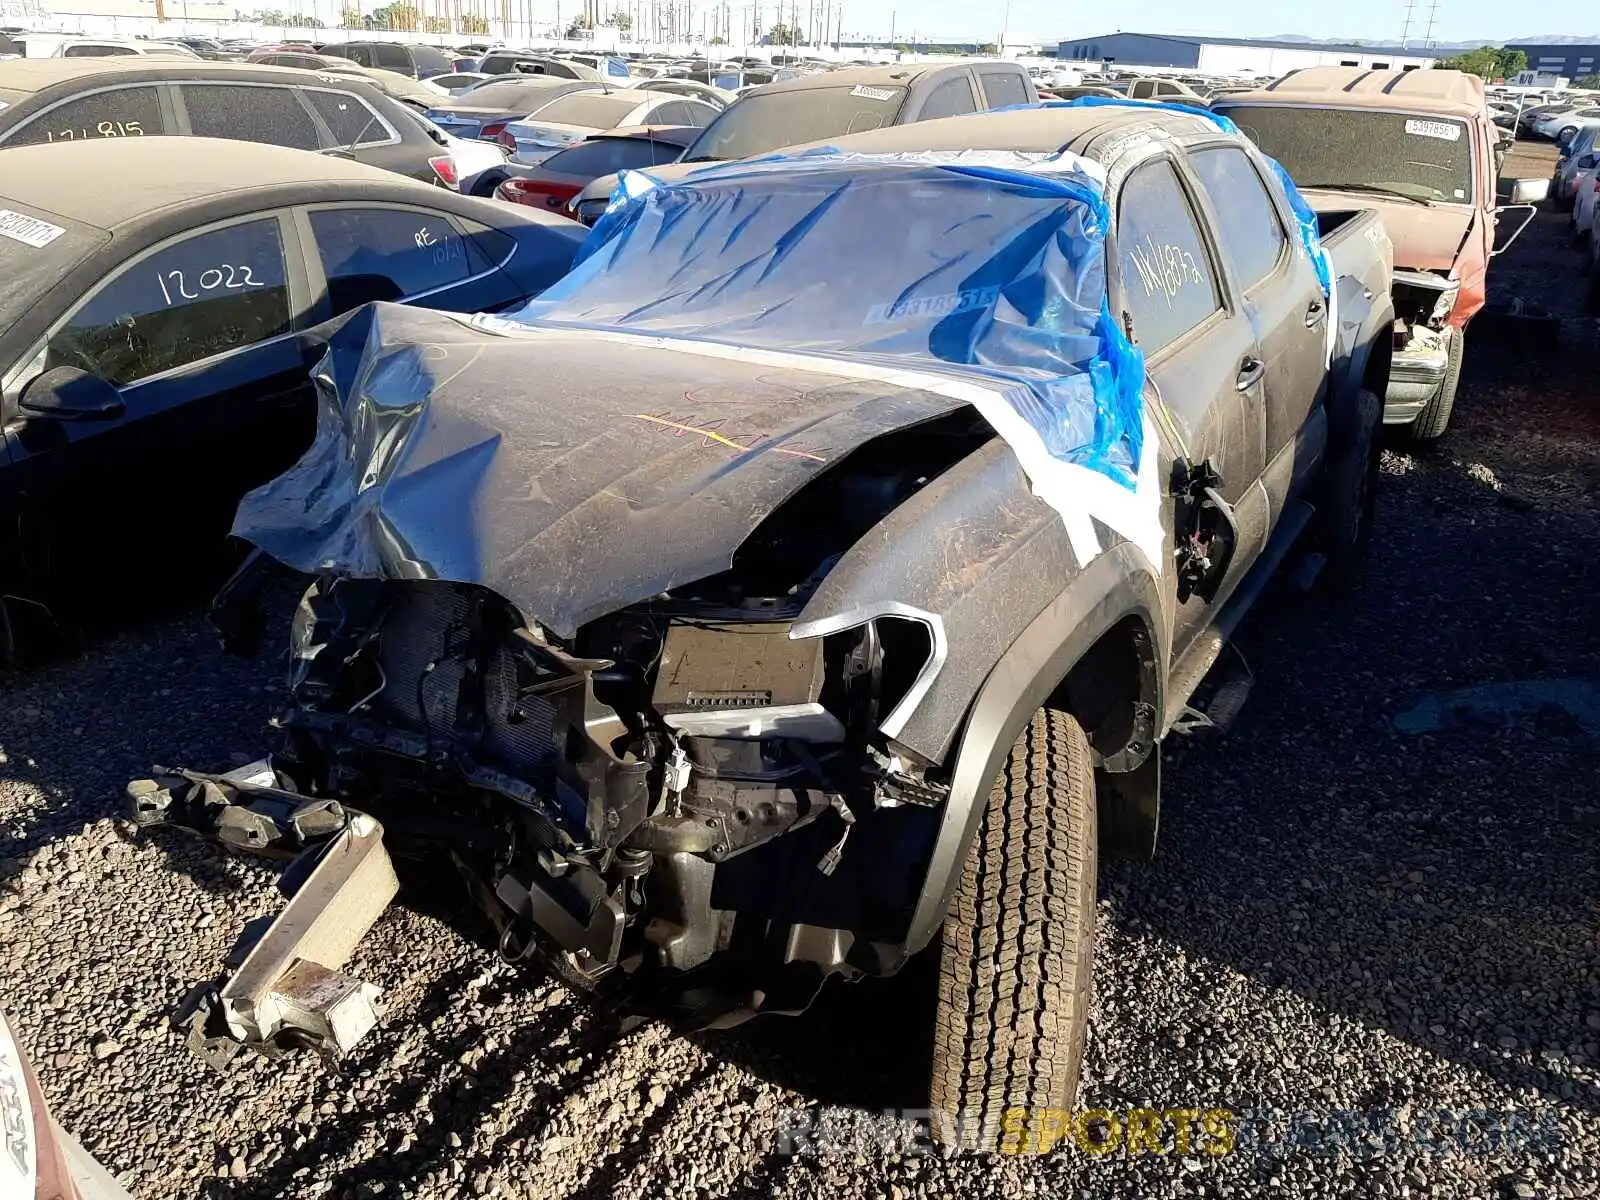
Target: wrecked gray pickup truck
{"type": "Point", "coordinates": [774, 602]}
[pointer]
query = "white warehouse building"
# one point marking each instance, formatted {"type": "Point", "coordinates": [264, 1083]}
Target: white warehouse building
{"type": "Point", "coordinates": [1234, 56]}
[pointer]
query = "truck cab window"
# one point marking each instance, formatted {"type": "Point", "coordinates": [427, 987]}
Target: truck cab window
{"type": "Point", "coordinates": [1252, 236]}
{"type": "Point", "coordinates": [1169, 284]}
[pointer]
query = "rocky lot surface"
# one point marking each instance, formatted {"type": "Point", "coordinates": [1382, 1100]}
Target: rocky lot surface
{"type": "Point", "coordinates": [1380, 929]}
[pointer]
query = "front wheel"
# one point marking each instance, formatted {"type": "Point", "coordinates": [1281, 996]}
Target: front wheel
{"type": "Point", "coordinates": [1017, 959]}
{"type": "Point", "coordinates": [1433, 420]}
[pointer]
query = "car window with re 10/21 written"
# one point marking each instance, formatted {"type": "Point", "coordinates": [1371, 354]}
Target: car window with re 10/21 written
{"type": "Point", "coordinates": [373, 254]}
{"type": "Point", "coordinates": [215, 291]}
{"type": "Point", "coordinates": [120, 112]}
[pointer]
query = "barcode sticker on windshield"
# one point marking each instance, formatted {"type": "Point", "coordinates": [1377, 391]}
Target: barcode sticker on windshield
{"type": "Point", "coordinates": [28, 230]}
{"type": "Point", "coordinates": [1445, 131]}
{"type": "Point", "coordinates": [872, 93]}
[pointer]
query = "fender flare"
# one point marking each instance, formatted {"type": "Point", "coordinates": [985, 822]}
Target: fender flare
{"type": "Point", "coordinates": [1117, 584]}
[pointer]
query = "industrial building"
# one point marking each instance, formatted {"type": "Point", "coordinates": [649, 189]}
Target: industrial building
{"type": "Point", "coordinates": [1574, 60]}
{"type": "Point", "coordinates": [1235, 56]}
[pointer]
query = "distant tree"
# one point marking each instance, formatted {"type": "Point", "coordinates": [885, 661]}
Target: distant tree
{"type": "Point", "coordinates": [473, 23]}
{"type": "Point", "coordinates": [580, 27]}
{"type": "Point", "coordinates": [782, 35]}
{"type": "Point", "coordinates": [399, 15]}
{"type": "Point", "coordinates": [1510, 62]}
{"type": "Point", "coordinates": [1483, 62]}
{"type": "Point", "coordinates": [620, 21]}
{"type": "Point", "coordinates": [1588, 83]}
{"type": "Point", "coordinates": [719, 40]}
{"type": "Point", "coordinates": [350, 18]}
{"type": "Point", "coordinates": [435, 25]}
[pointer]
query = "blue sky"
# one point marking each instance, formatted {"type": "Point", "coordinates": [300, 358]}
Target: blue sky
{"type": "Point", "coordinates": [1369, 20]}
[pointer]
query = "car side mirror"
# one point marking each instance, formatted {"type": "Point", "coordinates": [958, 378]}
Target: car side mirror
{"type": "Point", "coordinates": [1530, 191]}
{"type": "Point", "coordinates": [71, 394]}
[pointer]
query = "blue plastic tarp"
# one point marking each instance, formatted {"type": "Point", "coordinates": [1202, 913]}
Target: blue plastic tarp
{"type": "Point", "coordinates": [988, 268]}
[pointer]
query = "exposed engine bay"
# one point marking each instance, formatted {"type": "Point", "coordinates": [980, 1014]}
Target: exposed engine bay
{"type": "Point", "coordinates": [681, 810]}
{"type": "Point", "coordinates": [1423, 301]}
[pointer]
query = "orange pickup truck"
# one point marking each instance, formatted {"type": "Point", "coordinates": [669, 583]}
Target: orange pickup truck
{"type": "Point", "coordinates": [1418, 147]}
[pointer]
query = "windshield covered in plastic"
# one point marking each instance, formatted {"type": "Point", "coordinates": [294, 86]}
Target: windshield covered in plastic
{"type": "Point", "coordinates": [1415, 156]}
{"type": "Point", "coordinates": [766, 121]}
{"type": "Point", "coordinates": [991, 271]}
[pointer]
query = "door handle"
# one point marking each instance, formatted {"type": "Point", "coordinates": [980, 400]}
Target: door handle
{"type": "Point", "coordinates": [1250, 372]}
{"type": "Point", "coordinates": [1315, 312]}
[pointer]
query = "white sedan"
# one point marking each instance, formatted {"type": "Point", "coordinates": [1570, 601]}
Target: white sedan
{"type": "Point", "coordinates": [1562, 127]}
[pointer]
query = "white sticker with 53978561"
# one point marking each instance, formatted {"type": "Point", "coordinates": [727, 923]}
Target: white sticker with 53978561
{"type": "Point", "coordinates": [28, 230]}
{"type": "Point", "coordinates": [1445, 131]}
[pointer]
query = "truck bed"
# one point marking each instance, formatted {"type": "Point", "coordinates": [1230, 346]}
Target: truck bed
{"type": "Point", "coordinates": [1355, 240]}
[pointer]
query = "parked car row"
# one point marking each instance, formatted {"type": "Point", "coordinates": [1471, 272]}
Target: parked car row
{"type": "Point", "coordinates": [1575, 186]}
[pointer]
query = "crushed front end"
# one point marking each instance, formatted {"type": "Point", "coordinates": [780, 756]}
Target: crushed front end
{"type": "Point", "coordinates": [682, 811]}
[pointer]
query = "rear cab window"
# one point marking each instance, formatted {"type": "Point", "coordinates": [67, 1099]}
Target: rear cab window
{"type": "Point", "coordinates": [1169, 284]}
{"type": "Point", "coordinates": [764, 121]}
{"type": "Point", "coordinates": [1248, 226]}
{"type": "Point", "coordinates": [952, 98]}
{"type": "Point", "coordinates": [1004, 88]}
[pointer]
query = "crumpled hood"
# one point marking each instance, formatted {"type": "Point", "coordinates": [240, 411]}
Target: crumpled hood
{"type": "Point", "coordinates": [1425, 239]}
{"type": "Point", "coordinates": [570, 472]}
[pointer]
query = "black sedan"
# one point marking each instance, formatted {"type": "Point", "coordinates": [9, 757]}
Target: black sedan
{"type": "Point", "coordinates": [153, 358]}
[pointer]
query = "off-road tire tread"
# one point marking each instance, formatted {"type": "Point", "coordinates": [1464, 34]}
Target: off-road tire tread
{"type": "Point", "coordinates": [1016, 964]}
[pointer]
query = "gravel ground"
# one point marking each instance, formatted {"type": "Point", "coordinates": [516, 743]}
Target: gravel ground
{"type": "Point", "coordinates": [1343, 918]}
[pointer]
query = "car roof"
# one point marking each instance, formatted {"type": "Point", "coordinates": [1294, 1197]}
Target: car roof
{"type": "Point", "coordinates": [1025, 130]}
{"type": "Point", "coordinates": [1451, 93]}
{"type": "Point", "coordinates": [161, 173]}
{"type": "Point", "coordinates": [37, 74]}
{"type": "Point", "coordinates": [893, 75]}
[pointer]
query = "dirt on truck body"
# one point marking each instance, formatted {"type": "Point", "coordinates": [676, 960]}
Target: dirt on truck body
{"type": "Point", "coordinates": [735, 618]}
{"type": "Point", "coordinates": [1418, 148]}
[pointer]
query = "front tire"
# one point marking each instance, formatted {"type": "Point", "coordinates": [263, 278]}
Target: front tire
{"type": "Point", "coordinates": [1433, 420]}
{"type": "Point", "coordinates": [1016, 965]}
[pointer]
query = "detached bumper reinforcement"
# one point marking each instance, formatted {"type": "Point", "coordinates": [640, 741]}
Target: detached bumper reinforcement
{"type": "Point", "coordinates": [283, 986]}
